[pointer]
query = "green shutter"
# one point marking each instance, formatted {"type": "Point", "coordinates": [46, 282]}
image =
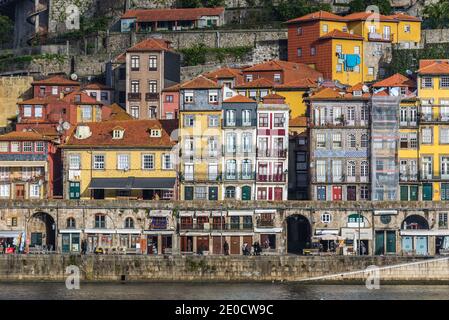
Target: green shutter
{"type": "Point", "coordinates": [74, 190]}
{"type": "Point", "coordinates": [188, 193]}
{"type": "Point", "coordinates": [404, 193]}
{"type": "Point", "coordinates": [213, 193]}
{"type": "Point", "coordinates": [246, 193]}
{"type": "Point", "coordinates": [414, 193]}
{"type": "Point", "coordinates": [427, 192]}
{"type": "Point", "coordinates": [445, 191]}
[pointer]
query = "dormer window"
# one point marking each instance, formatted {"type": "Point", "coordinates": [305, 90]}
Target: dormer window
{"type": "Point", "coordinates": [155, 133]}
{"type": "Point", "coordinates": [78, 98]}
{"type": "Point", "coordinates": [118, 133]}
{"type": "Point", "coordinates": [357, 93]}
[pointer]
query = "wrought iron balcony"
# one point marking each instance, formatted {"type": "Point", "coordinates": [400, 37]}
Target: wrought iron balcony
{"type": "Point", "coordinates": [374, 36]}
{"type": "Point", "coordinates": [151, 96]}
{"type": "Point", "coordinates": [272, 153]}
{"type": "Point", "coordinates": [134, 96]}
{"type": "Point", "coordinates": [282, 177]}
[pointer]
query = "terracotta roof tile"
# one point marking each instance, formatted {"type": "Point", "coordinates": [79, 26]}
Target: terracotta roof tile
{"type": "Point", "coordinates": [173, 88]}
{"type": "Point", "coordinates": [225, 73]}
{"type": "Point", "coordinates": [84, 98]}
{"type": "Point", "coordinates": [149, 15]}
{"type": "Point", "coordinates": [121, 58]}
{"type": "Point", "coordinates": [118, 113]}
{"type": "Point", "coordinates": [136, 134]}
{"type": "Point", "coordinates": [435, 67]}
{"type": "Point", "coordinates": [404, 17]}
{"type": "Point", "coordinates": [396, 80]}
{"type": "Point", "coordinates": [300, 83]}
{"type": "Point", "coordinates": [356, 16]}
{"type": "Point", "coordinates": [151, 44]}
{"type": "Point", "coordinates": [40, 100]}
{"type": "Point", "coordinates": [24, 136]}
{"type": "Point", "coordinates": [336, 94]}
{"type": "Point", "coordinates": [318, 15]}
{"type": "Point", "coordinates": [273, 96]}
{"type": "Point", "coordinates": [97, 86]}
{"type": "Point", "coordinates": [56, 80]}
{"type": "Point", "coordinates": [291, 70]}
{"type": "Point", "coordinates": [298, 122]}
{"type": "Point", "coordinates": [337, 34]}
{"type": "Point", "coordinates": [239, 99]}
{"type": "Point", "coordinates": [200, 82]}
{"type": "Point", "coordinates": [258, 83]}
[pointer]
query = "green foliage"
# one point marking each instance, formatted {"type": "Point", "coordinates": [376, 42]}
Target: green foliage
{"type": "Point", "coordinates": [199, 3]}
{"type": "Point", "coordinates": [199, 54]}
{"type": "Point", "coordinates": [289, 9]}
{"type": "Point", "coordinates": [408, 59]}
{"type": "Point", "coordinates": [6, 29]}
{"type": "Point", "coordinates": [436, 15]}
{"type": "Point", "coordinates": [9, 60]}
{"type": "Point", "coordinates": [361, 5]}
{"type": "Point", "coordinates": [88, 26]}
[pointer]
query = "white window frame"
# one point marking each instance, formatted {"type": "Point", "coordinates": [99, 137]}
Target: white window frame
{"type": "Point", "coordinates": [148, 162]}
{"type": "Point", "coordinates": [123, 161]}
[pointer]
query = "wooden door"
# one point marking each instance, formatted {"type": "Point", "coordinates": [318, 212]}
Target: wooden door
{"type": "Point", "coordinates": [235, 245]}
{"type": "Point", "coordinates": [20, 191]}
{"type": "Point", "coordinates": [249, 241]}
{"type": "Point", "coordinates": [277, 194]}
{"type": "Point", "coordinates": [336, 193]}
{"type": "Point", "coordinates": [351, 193]}
{"type": "Point", "coordinates": [217, 245]}
{"type": "Point", "coordinates": [202, 244]}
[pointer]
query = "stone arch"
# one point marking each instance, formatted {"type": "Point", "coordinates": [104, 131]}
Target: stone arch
{"type": "Point", "coordinates": [299, 233]}
{"type": "Point", "coordinates": [415, 221]}
{"type": "Point", "coordinates": [42, 230]}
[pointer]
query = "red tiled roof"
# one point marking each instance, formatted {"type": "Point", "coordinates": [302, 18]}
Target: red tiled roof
{"type": "Point", "coordinates": [356, 16]}
{"type": "Point", "coordinates": [292, 71]}
{"type": "Point", "coordinates": [24, 136]}
{"type": "Point", "coordinates": [433, 67]}
{"type": "Point", "coordinates": [57, 81]}
{"type": "Point", "coordinates": [335, 93]}
{"type": "Point", "coordinates": [299, 121]}
{"type": "Point", "coordinates": [200, 82]}
{"type": "Point", "coordinates": [225, 73]}
{"type": "Point", "coordinates": [150, 15]}
{"type": "Point", "coordinates": [118, 113]}
{"type": "Point", "coordinates": [337, 34]}
{"type": "Point", "coordinates": [151, 44]}
{"type": "Point", "coordinates": [382, 93]}
{"type": "Point", "coordinates": [97, 86]}
{"type": "Point", "coordinates": [173, 88]}
{"type": "Point", "coordinates": [239, 99]}
{"type": "Point", "coordinates": [39, 100]}
{"type": "Point", "coordinates": [319, 15]}
{"type": "Point", "coordinates": [136, 134]}
{"type": "Point", "coordinates": [121, 58]}
{"type": "Point", "coordinates": [300, 83]}
{"type": "Point", "coordinates": [404, 17]}
{"type": "Point", "coordinates": [396, 80]}
{"type": "Point", "coordinates": [84, 98]}
{"type": "Point", "coordinates": [273, 96]}
{"type": "Point", "coordinates": [258, 83]}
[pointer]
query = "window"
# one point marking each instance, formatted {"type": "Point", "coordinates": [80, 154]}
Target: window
{"type": "Point", "coordinates": [326, 218]}
{"type": "Point", "coordinates": [148, 161]}
{"type": "Point", "coordinates": [247, 142]}
{"type": "Point", "coordinates": [403, 141]}
{"type": "Point", "coordinates": [98, 162]}
{"type": "Point", "coordinates": [370, 71]}
{"type": "Point", "coordinates": [74, 162]}
{"type": "Point", "coordinates": [188, 171]}
{"type": "Point", "coordinates": [246, 117]}
{"type": "Point", "coordinates": [100, 221]}
{"type": "Point", "coordinates": [212, 171]}
{"type": "Point", "coordinates": [351, 169]}
{"type": "Point", "coordinates": [351, 141]}
{"type": "Point", "coordinates": [129, 223]}
{"type": "Point", "coordinates": [320, 170]}
{"type": "Point", "coordinates": [231, 169]}
{"type": "Point", "coordinates": [249, 77]}
{"type": "Point", "coordinates": [38, 111]}
{"type": "Point", "coordinates": [231, 142]}
{"type": "Point", "coordinates": [71, 223]}
{"type": "Point", "coordinates": [155, 133]}
{"type": "Point", "coordinates": [15, 146]}
{"type": "Point", "coordinates": [338, 48]}
{"type": "Point", "coordinates": [86, 112]}
{"type": "Point", "coordinates": [117, 133]}
{"type": "Point", "coordinates": [4, 146]}
{"type": "Point", "coordinates": [169, 98]}
{"type": "Point", "coordinates": [14, 221]}
{"type": "Point", "coordinates": [407, 28]}
{"type": "Point", "coordinates": [200, 193]}
{"type": "Point", "coordinates": [135, 62]}
{"type": "Point", "coordinates": [299, 52]}
{"type": "Point", "coordinates": [444, 135]}
{"type": "Point", "coordinates": [427, 167]}
{"type": "Point", "coordinates": [54, 91]}
{"type": "Point", "coordinates": [135, 112]}
{"type": "Point", "coordinates": [213, 96]}
{"type": "Point", "coordinates": [230, 117]}
{"type": "Point", "coordinates": [277, 77]}
{"type": "Point", "coordinates": [188, 96]}
{"type": "Point", "coordinates": [444, 167]}
{"type": "Point", "coordinates": [189, 120]}
{"type": "Point", "coordinates": [104, 95]}
{"type": "Point", "coordinates": [364, 169]}
{"type": "Point", "coordinates": [336, 140]}
{"type": "Point", "coordinates": [263, 120]}
{"type": "Point", "coordinates": [27, 111]}
{"type": "Point", "coordinates": [356, 50]}
{"type": "Point", "coordinates": [364, 193]}
{"type": "Point", "coordinates": [299, 31]}
{"type": "Point", "coordinates": [123, 162]}
{"type": "Point", "coordinates": [336, 170]}
{"type": "Point", "coordinates": [152, 86]}
{"type": "Point", "coordinates": [167, 163]}
{"type": "Point", "coordinates": [135, 86]}
{"type": "Point", "coordinates": [27, 146]}
{"type": "Point", "coordinates": [325, 28]}
{"type": "Point", "coordinates": [246, 169]}
{"type": "Point", "coordinates": [4, 190]}
{"type": "Point", "coordinates": [321, 193]}
{"type": "Point", "coordinates": [339, 67]}
{"type": "Point", "coordinates": [230, 194]}
{"type": "Point", "coordinates": [35, 190]}
{"type": "Point", "coordinates": [427, 82]}
{"type": "Point", "coordinates": [4, 173]}
{"type": "Point", "coordinates": [312, 51]}
{"type": "Point", "coordinates": [414, 140]}
{"type": "Point", "coordinates": [213, 121]}
{"type": "Point", "coordinates": [321, 140]}
{"type": "Point", "coordinates": [212, 144]}
{"type": "Point", "coordinates": [444, 82]}
{"type": "Point", "coordinates": [39, 146]}
{"type": "Point", "coordinates": [152, 63]}
{"type": "Point", "coordinates": [279, 120]}
{"type": "Point", "coordinates": [426, 135]}
{"type": "Point", "coordinates": [364, 141]}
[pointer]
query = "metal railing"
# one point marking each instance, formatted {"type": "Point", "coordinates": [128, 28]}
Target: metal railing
{"type": "Point", "coordinates": [272, 153]}
{"type": "Point", "coordinates": [217, 226]}
{"type": "Point", "coordinates": [282, 177]}
{"type": "Point", "coordinates": [380, 36]}
{"type": "Point", "coordinates": [132, 96]}
{"type": "Point", "coordinates": [149, 96]}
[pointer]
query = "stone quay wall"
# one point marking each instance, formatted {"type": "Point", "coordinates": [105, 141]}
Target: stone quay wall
{"type": "Point", "coordinates": [219, 268]}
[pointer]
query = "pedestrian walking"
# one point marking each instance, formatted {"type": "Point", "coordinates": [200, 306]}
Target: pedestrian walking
{"type": "Point", "coordinates": [226, 248]}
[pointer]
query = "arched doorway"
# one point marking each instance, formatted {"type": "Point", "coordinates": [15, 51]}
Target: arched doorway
{"type": "Point", "coordinates": [298, 233]}
{"type": "Point", "coordinates": [42, 231]}
{"type": "Point", "coordinates": [415, 222]}
{"type": "Point", "coordinates": [412, 242]}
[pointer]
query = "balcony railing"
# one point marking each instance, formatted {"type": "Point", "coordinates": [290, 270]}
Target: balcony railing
{"type": "Point", "coordinates": [151, 96]}
{"type": "Point", "coordinates": [265, 223]}
{"type": "Point", "coordinates": [239, 176]}
{"type": "Point", "coordinates": [374, 36]}
{"type": "Point", "coordinates": [217, 226]}
{"type": "Point", "coordinates": [435, 115]}
{"type": "Point", "coordinates": [272, 153]}
{"type": "Point", "coordinates": [408, 177]}
{"type": "Point", "coordinates": [238, 151]}
{"type": "Point", "coordinates": [272, 177]}
{"type": "Point", "coordinates": [134, 96]}
{"type": "Point", "coordinates": [201, 177]}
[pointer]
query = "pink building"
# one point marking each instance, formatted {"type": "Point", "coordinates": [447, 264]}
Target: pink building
{"type": "Point", "coordinates": [170, 102]}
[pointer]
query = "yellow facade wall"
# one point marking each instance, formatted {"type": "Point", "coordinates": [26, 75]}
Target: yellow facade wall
{"type": "Point", "coordinates": [13, 90]}
{"type": "Point", "coordinates": [295, 100]}
{"type": "Point", "coordinates": [415, 31]}
{"type": "Point", "coordinates": [348, 47]}
{"type": "Point", "coordinates": [331, 25]}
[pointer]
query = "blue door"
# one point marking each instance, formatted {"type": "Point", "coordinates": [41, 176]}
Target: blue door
{"type": "Point", "coordinates": [407, 244]}
{"type": "Point", "coordinates": [421, 245]}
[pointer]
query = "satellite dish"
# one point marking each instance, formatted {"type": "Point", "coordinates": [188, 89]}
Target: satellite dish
{"type": "Point", "coordinates": [74, 76]}
{"type": "Point", "coordinates": [409, 72]}
{"type": "Point", "coordinates": [59, 128]}
{"type": "Point", "coordinates": [365, 88]}
{"type": "Point", "coordinates": [66, 125]}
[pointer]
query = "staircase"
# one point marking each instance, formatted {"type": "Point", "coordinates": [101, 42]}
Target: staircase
{"type": "Point", "coordinates": [40, 33]}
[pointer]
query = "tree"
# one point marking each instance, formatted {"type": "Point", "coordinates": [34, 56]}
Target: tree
{"type": "Point", "coordinates": [199, 3]}
{"type": "Point", "coordinates": [290, 9]}
{"type": "Point", "coordinates": [6, 29]}
{"type": "Point", "coordinates": [436, 15]}
{"type": "Point", "coordinates": [361, 5]}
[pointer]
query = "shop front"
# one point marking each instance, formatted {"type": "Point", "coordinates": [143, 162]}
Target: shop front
{"type": "Point", "coordinates": [327, 241]}
{"type": "Point", "coordinates": [416, 236]}
{"type": "Point", "coordinates": [70, 240]}
{"type": "Point", "coordinates": [12, 241]}
{"type": "Point", "coordinates": [357, 240]}
{"type": "Point", "coordinates": [99, 240]}
{"type": "Point", "coordinates": [128, 241]}
{"type": "Point", "coordinates": [385, 237]}
{"type": "Point", "coordinates": [159, 233]}
{"type": "Point", "coordinates": [268, 238]}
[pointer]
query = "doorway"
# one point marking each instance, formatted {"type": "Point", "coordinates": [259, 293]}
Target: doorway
{"type": "Point", "coordinates": [298, 234]}
{"type": "Point", "coordinates": [42, 230]}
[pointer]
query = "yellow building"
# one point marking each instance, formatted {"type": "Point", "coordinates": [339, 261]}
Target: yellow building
{"type": "Point", "coordinates": [88, 109]}
{"type": "Point", "coordinates": [132, 159]}
{"type": "Point", "coordinates": [294, 93]}
{"type": "Point", "coordinates": [200, 118]}
{"type": "Point", "coordinates": [433, 94]}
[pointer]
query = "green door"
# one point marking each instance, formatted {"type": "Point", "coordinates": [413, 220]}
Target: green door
{"type": "Point", "coordinates": [445, 191]}
{"type": "Point", "coordinates": [427, 192]}
{"type": "Point", "coordinates": [66, 242]}
{"type": "Point", "coordinates": [404, 193]}
{"type": "Point", "coordinates": [74, 190]}
{"type": "Point", "coordinates": [36, 239]}
{"type": "Point", "coordinates": [380, 242]}
{"type": "Point", "coordinates": [213, 193]}
{"type": "Point", "coordinates": [414, 193]}
{"type": "Point", "coordinates": [188, 193]}
{"type": "Point", "coordinates": [246, 193]}
{"type": "Point", "coordinates": [391, 242]}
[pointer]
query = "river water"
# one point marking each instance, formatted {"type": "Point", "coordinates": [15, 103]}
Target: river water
{"type": "Point", "coordinates": [218, 291]}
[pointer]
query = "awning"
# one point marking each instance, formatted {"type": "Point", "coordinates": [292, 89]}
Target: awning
{"type": "Point", "coordinates": [160, 213]}
{"type": "Point", "coordinates": [319, 232]}
{"type": "Point", "coordinates": [218, 213]}
{"type": "Point", "coordinates": [329, 237]}
{"type": "Point", "coordinates": [129, 231]}
{"type": "Point", "coordinates": [421, 232]}
{"type": "Point", "coordinates": [230, 233]}
{"type": "Point", "coordinates": [132, 183]}
{"type": "Point", "coordinates": [10, 233]}
{"type": "Point", "coordinates": [202, 213]}
{"type": "Point", "coordinates": [156, 232]}
{"type": "Point", "coordinates": [69, 230]}
{"type": "Point", "coordinates": [193, 233]}
{"type": "Point", "coordinates": [268, 230]}
{"type": "Point", "coordinates": [101, 231]}
{"type": "Point", "coordinates": [186, 213]}
{"type": "Point", "coordinates": [240, 213]}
